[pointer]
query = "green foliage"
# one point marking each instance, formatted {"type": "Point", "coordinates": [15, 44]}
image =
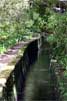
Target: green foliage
{"type": "Point", "coordinates": [13, 16]}
{"type": "Point", "coordinates": [57, 25]}
{"type": "Point", "coordinates": [18, 23]}
{"type": "Point", "coordinates": [45, 19]}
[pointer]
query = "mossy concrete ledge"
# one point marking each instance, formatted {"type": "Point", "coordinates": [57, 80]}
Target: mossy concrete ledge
{"type": "Point", "coordinates": [9, 59]}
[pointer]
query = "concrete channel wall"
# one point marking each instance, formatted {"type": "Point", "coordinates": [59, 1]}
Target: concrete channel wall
{"type": "Point", "coordinates": [9, 59]}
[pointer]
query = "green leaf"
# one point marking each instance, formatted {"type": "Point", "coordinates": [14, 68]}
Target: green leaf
{"type": "Point", "coordinates": [29, 23]}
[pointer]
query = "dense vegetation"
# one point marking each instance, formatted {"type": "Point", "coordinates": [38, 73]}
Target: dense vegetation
{"type": "Point", "coordinates": [12, 23]}
{"type": "Point", "coordinates": [18, 23]}
{"type": "Point", "coordinates": [54, 24]}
